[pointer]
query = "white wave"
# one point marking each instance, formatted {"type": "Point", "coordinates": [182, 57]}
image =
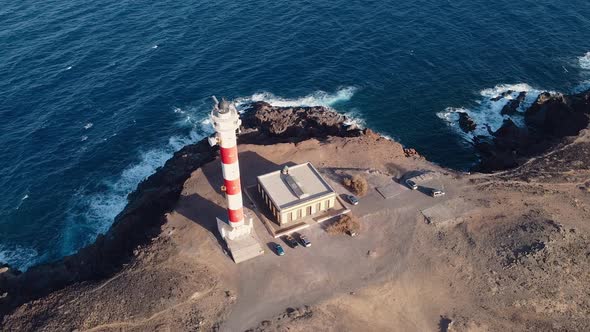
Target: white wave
{"type": "Point", "coordinates": [584, 61]}
{"type": "Point", "coordinates": [93, 214]}
{"type": "Point", "coordinates": [584, 86]}
{"type": "Point", "coordinates": [88, 125]}
{"type": "Point", "coordinates": [69, 67]}
{"type": "Point", "coordinates": [318, 98]}
{"type": "Point", "coordinates": [24, 197]}
{"type": "Point", "coordinates": [486, 113]}
{"type": "Point", "coordinates": [18, 256]}
{"type": "Point", "coordinates": [155, 46]}
{"type": "Point", "coordinates": [83, 138]}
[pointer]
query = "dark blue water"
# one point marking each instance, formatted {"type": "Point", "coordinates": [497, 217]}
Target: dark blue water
{"type": "Point", "coordinates": [95, 95]}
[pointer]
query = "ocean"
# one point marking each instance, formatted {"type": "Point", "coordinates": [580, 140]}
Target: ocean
{"type": "Point", "coordinates": [96, 95]}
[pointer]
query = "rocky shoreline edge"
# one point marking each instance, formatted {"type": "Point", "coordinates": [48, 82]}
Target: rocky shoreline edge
{"type": "Point", "coordinates": [142, 218]}
{"type": "Point", "coordinates": [549, 122]}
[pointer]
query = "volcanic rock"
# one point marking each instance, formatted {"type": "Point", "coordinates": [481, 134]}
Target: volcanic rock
{"type": "Point", "coordinates": [297, 123]}
{"type": "Point", "coordinates": [512, 106]}
{"type": "Point", "coordinates": [466, 123]}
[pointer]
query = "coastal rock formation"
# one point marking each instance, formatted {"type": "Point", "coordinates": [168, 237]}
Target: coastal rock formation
{"type": "Point", "coordinates": [550, 120]}
{"type": "Point", "coordinates": [466, 123]}
{"type": "Point", "coordinates": [512, 257]}
{"type": "Point", "coordinates": [140, 221]}
{"type": "Point", "coordinates": [135, 226]}
{"type": "Point", "coordinates": [512, 106]}
{"type": "Point", "coordinates": [296, 123]}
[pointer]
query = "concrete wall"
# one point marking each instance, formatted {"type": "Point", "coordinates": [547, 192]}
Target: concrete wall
{"type": "Point", "coordinates": [298, 212]}
{"type": "Point", "coordinates": [306, 209]}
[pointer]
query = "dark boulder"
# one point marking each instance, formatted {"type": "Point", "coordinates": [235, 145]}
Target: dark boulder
{"type": "Point", "coordinates": [512, 106]}
{"type": "Point", "coordinates": [559, 115]}
{"type": "Point", "coordinates": [466, 123]}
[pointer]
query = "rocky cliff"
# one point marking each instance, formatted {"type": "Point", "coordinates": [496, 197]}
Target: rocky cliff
{"type": "Point", "coordinates": [143, 216]}
{"type": "Point", "coordinates": [549, 121]}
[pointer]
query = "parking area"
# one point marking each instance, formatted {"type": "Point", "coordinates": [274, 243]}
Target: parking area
{"type": "Point", "coordinates": [305, 274]}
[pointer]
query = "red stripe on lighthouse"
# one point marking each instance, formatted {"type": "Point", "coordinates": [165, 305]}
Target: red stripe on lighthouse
{"type": "Point", "coordinates": [229, 155]}
{"type": "Point", "coordinates": [236, 215]}
{"type": "Point", "coordinates": [232, 187]}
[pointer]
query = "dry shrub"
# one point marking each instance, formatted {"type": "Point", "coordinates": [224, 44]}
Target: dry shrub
{"type": "Point", "coordinates": [358, 184]}
{"type": "Point", "coordinates": [345, 224]}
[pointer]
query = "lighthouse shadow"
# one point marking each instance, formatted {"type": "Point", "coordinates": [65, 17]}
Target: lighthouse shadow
{"type": "Point", "coordinates": [207, 202]}
{"type": "Point", "coordinates": [204, 212]}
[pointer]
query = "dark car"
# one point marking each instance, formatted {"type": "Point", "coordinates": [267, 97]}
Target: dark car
{"type": "Point", "coordinates": [303, 240]}
{"type": "Point", "coordinates": [279, 250]}
{"type": "Point", "coordinates": [290, 241]}
{"type": "Point", "coordinates": [352, 199]}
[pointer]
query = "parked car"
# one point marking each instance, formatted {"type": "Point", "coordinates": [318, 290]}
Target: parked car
{"type": "Point", "coordinates": [351, 233]}
{"type": "Point", "coordinates": [290, 241]}
{"type": "Point", "coordinates": [279, 250]}
{"type": "Point", "coordinates": [411, 184]}
{"type": "Point", "coordinates": [352, 199]}
{"type": "Point", "coordinates": [304, 241]}
{"type": "Point", "coordinates": [436, 193]}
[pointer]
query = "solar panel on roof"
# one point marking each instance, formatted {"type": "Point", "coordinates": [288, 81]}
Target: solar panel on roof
{"type": "Point", "coordinates": [295, 186]}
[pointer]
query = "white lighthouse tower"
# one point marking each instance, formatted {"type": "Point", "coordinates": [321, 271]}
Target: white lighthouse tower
{"type": "Point", "coordinates": [236, 229]}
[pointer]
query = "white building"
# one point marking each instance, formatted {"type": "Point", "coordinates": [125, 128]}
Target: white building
{"type": "Point", "coordinates": [295, 192]}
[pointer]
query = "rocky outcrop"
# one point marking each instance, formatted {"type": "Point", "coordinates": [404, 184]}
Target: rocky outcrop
{"type": "Point", "coordinates": [466, 123]}
{"type": "Point", "coordinates": [512, 106]}
{"type": "Point", "coordinates": [263, 121]}
{"type": "Point", "coordinates": [550, 119]}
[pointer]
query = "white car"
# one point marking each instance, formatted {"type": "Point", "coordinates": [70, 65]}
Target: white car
{"type": "Point", "coordinates": [436, 193]}
{"type": "Point", "coordinates": [411, 184]}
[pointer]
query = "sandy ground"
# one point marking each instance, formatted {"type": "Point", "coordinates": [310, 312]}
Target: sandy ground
{"type": "Point", "coordinates": [517, 260]}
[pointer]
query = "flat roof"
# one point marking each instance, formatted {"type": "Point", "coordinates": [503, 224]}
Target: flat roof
{"type": "Point", "coordinates": [303, 183]}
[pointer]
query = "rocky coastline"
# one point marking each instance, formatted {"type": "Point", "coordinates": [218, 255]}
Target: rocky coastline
{"type": "Point", "coordinates": [550, 121]}
{"type": "Point", "coordinates": [143, 216]}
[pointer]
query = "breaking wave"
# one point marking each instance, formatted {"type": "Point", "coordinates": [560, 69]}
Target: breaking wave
{"type": "Point", "coordinates": [318, 98]}
{"type": "Point", "coordinates": [584, 61]}
{"type": "Point", "coordinates": [486, 112]}
{"type": "Point", "coordinates": [93, 214]}
{"type": "Point", "coordinates": [20, 257]}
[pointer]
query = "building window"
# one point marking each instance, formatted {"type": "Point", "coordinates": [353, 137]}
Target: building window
{"type": "Point", "coordinates": [309, 210]}
{"type": "Point", "coordinates": [328, 204]}
{"type": "Point", "coordinates": [294, 215]}
{"type": "Point", "coordinates": [299, 213]}
{"type": "Point", "coordinates": [319, 207]}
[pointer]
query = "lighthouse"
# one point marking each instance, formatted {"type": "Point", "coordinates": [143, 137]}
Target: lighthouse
{"type": "Point", "coordinates": [235, 228]}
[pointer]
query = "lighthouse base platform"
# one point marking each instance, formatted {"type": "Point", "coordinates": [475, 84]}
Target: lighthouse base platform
{"type": "Point", "coordinates": [241, 241]}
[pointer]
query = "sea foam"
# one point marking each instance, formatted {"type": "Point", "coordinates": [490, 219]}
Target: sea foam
{"type": "Point", "coordinates": [486, 112]}
{"type": "Point", "coordinates": [93, 214]}
{"type": "Point", "coordinates": [17, 256]}
{"type": "Point", "coordinates": [318, 98]}
{"type": "Point", "coordinates": [584, 61]}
